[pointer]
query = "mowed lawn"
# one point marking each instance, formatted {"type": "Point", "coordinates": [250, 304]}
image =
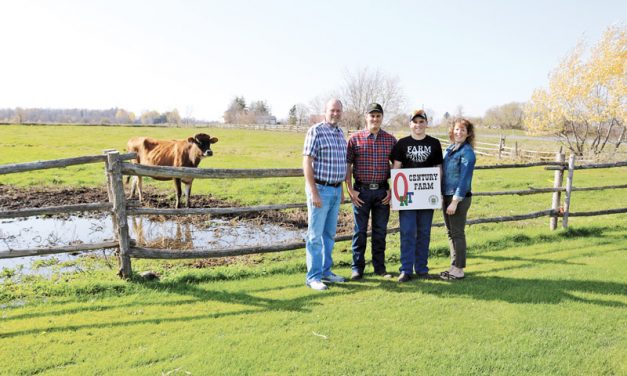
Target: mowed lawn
{"type": "Point", "coordinates": [537, 303]}
{"type": "Point", "coordinates": [534, 301]}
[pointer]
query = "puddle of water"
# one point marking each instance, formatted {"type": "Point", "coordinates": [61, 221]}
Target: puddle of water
{"type": "Point", "coordinates": [48, 232]}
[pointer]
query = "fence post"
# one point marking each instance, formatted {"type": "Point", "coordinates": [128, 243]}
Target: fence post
{"type": "Point", "coordinates": [501, 145]}
{"type": "Point", "coordinates": [516, 149]}
{"type": "Point", "coordinates": [110, 186]}
{"type": "Point", "coordinates": [114, 169]}
{"type": "Point", "coordinates": [557, 183]}
{"type": "Point", "coordinates": [569, 189]}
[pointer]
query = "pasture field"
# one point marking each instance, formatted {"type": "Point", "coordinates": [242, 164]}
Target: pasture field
{"type": "Point", "coordinates": [239, 148]}
{"type": "Point", "coordinates": [534, 301]}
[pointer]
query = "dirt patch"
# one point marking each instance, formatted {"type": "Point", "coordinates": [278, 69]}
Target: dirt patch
{"type": "Point", "coordinates": [12, 198]}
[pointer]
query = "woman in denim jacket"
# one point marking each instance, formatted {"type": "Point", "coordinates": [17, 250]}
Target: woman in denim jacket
{"type": "Point", "coordinates": [458, 166]}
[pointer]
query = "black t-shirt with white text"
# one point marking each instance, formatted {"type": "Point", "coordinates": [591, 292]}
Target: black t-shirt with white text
{"type": "Point", "coordinates": [417, 153]}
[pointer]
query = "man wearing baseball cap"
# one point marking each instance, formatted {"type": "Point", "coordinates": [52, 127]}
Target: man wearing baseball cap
{"type": "Point", "coordinates": [417, 150]}
{"type": "Point", "coordinates": [368, 162]}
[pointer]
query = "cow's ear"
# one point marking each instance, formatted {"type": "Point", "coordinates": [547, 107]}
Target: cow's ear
{"type": "Point", "coordinates": [214, 140]}
{"type": "Point", "coordinates": [191, 140]}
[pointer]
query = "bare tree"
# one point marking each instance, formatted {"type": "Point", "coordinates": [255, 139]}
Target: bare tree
{"type": "Point", "coordinates": [20, 115]}
{"type": "Point", "coordinates": [367, 86]}
{"type": "Point", "coordinates": [302, 114]}
{"type": "Point", "coordinates": [259, 108]}
{"type": "Point", "coordinates": [459, 111]}
{"type": "Point", "coordinates": [149, 117]}
{"type": "Point", "coordinates": [124, 117]}
{"type": "Point", "coordinates": [173, 117]}
{"type": "Point", "coordinates": [431, 114]}
{"type": "Point", "coordinates": [507, 116]}
{"type": "Point", "coordinates": [188, 119]}
{"type": "Point", "coordinates": [317, 105]}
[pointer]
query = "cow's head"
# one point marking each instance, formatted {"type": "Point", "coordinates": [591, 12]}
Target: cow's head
{"type": "Point", "coordinates": [203, 141]}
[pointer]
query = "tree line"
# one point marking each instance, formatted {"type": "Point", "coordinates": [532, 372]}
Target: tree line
{"type": "Point", "coordinates": [358, 89]}
{"type": "Point", "coordinates": [257, 112]}
{"type": "Point", "coordinates": [88, 116]}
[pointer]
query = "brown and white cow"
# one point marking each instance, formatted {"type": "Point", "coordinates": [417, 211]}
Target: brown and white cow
{"type": "Point", "coordinates": [175, 153]}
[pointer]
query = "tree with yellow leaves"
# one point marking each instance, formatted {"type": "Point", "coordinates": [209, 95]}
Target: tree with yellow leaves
{"type": "Point", "coordinates": [586, 99]}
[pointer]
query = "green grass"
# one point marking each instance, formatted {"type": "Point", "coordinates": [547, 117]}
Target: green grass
{"type": "Point", "coordinates": [534, 301]}
{"type": "Point", "coordinates": [235, 149]}
{"type": "Point", "coordinates": [253, 149]}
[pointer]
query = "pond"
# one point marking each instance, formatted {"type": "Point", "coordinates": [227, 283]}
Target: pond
{"type": "Point", "coordinates": [152, 232]}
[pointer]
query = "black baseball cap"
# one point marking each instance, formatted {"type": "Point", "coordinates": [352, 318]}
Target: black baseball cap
{"type": "Point", "coordinates": [418, 113]}
{"type": "Point", "coordinates": [374, 107]}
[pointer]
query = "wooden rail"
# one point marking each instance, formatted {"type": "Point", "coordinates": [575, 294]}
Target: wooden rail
{"type": "Point", "coordinates": [208, 173]}
{"type": "Point", "coordinates": [11, 253]}
{"type": "Point", "coordinates": [590, 166]}
{"type": "Point", "coordinates": [116, 167]}
{"type": "Point", "coordinates": [213, 211]}
{"type": "Point", "coordinates": [51, 210]}
{"type": "Point", "coordinates": [500, 150]}
{"type": "Point", "coordinates": [57, 163]}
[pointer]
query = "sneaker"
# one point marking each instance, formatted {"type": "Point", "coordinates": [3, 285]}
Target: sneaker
{"type": "Point", "coordinates": [426, 276]}
{"type": "Point", "coordinates": [447, 276]}
{"type": "Point", "coordinates": [385, 275]}
{"type": "Point", "coordinates": [316, 285]}
{"type": "Point", "coordinates": [356, 276]}
{"type": "Point", "coordinates": [452, 274]}
{"type": "Point", "coordinates": [457, 272]}
{"type": "Point", "coordinates": [333, 278]}
{"type": "Point", "coordinates": [404, 277]}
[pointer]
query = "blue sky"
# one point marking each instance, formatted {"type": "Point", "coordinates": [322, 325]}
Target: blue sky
{"type": "Point", "coordinates": [197, 55]}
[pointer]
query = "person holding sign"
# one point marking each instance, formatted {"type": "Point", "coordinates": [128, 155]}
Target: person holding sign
{"type": "Point", "coordinates": [459, 164]}
{"type": "Point", "coordinates": [368, 161]}
{"type": "Point", "coordinates": [324, 167]}
{"type": "Point", "coordinates": [418, 150]}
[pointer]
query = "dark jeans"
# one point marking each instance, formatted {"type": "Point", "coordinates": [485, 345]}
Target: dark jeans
{"type": "Point", "coordinates": [380, 216]}
{"type": "Point", "coordinates": [455, 229]}
{"type": "Point", "coordinates": [415, 238]}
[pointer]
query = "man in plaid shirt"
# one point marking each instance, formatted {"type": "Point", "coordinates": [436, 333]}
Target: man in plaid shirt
{"type": "Point", "coordinates": [368, 161]}
{"type": "Point", "coordinates": [324, 167]}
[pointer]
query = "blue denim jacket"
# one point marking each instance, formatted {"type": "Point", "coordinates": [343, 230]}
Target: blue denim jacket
{"type": "Point", "coordinates": [458, 168]}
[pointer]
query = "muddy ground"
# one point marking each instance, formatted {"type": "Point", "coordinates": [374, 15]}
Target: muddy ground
{"type": "Point", "coordinates": [14, 198]}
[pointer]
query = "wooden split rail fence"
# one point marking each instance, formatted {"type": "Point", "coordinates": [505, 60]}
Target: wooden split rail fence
{"type": "Point", "coordinates": [116, 166]}
{"type": "Point", "coordinates": [500, 151]}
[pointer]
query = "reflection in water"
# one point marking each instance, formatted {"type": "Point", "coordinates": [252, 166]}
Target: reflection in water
{"type": "Point", "coordinates": [151, 236]}
{"type": "Point", "coordinates": [150, 232]}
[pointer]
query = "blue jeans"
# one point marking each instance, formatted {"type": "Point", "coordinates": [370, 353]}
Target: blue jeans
{"type": "Point", "coordinates": [380, 216]}
{"type": "Point", "coordinates": [415, 237]}
{"type": "Point", "coordinates": [321, 231]}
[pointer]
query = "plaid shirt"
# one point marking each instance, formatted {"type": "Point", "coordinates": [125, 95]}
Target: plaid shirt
{"type": "Point", "coordinates": [326, 144]}
{"type": "Point", "coordinates": [370, 156]}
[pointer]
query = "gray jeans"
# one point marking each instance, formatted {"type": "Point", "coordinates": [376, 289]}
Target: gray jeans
{"type": "Point", "coordinates": [455, 225]}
